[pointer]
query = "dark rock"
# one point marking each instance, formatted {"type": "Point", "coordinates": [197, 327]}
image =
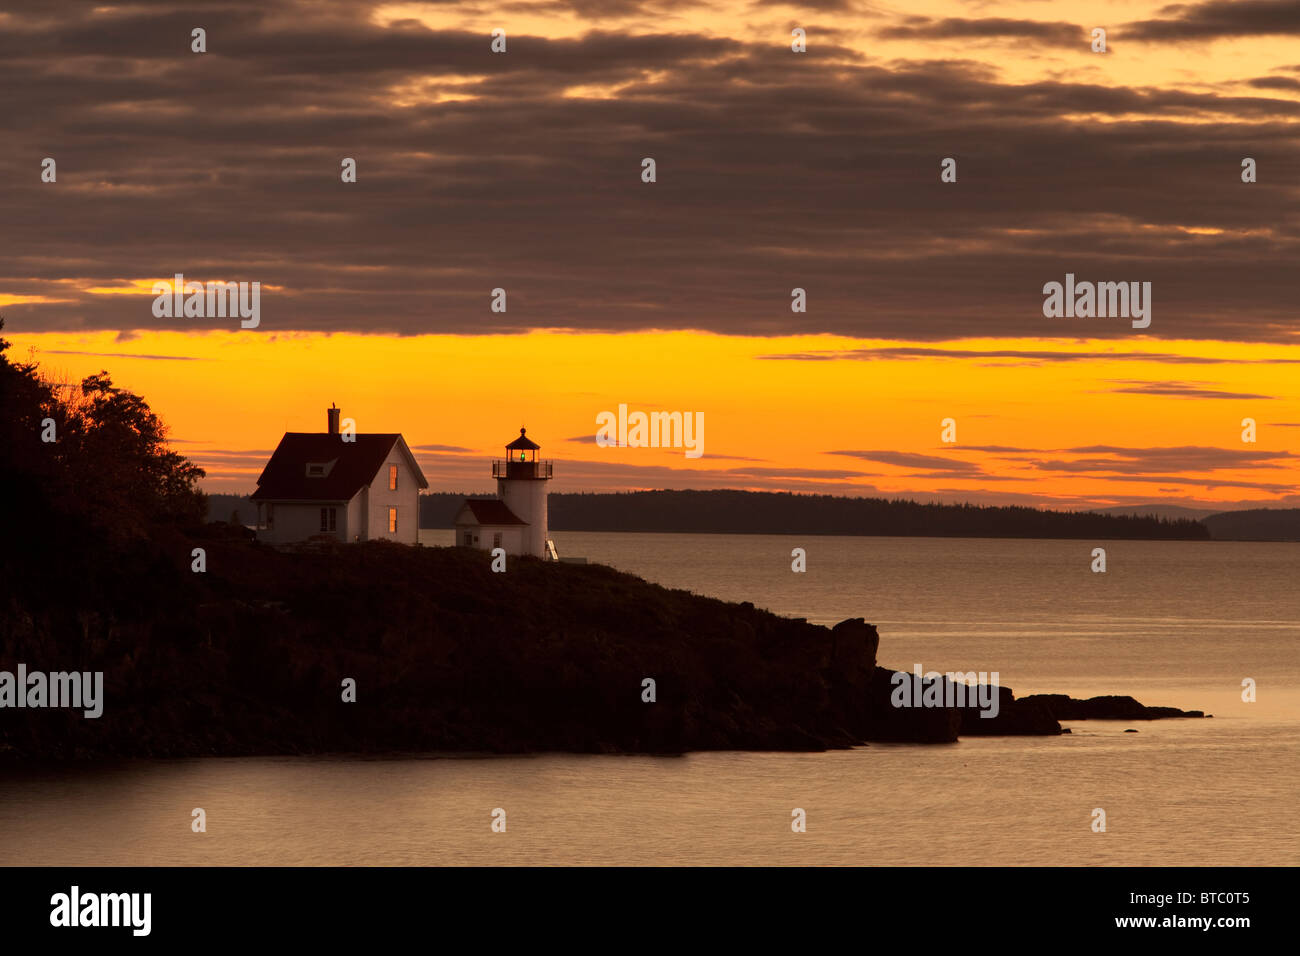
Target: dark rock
{"type": "Point", "coordinates": [913, 724]}
{"type": "Point", "coordinates": [861, 638]}
{"type": "Point", "coordinates": [1063, 707]}
{"type": "Point", "coordinates": [1014, 718]}
{"type": "Point", "coordinates": [1011, 717]}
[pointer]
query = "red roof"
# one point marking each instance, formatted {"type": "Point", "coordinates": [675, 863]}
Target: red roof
{"type": "Point", "coordinates": [347, 466]}
{"type": "Point", "coordinates": [490, 511]}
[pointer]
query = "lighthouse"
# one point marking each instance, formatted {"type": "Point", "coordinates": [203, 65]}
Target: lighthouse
{"type": "Point", "coordinates": [515, 520]}
{"type": "Point", "coordinates": [521, 486]}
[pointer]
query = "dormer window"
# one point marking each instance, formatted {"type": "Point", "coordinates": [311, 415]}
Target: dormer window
{"type": "Point", "coordinates": [320, 469]}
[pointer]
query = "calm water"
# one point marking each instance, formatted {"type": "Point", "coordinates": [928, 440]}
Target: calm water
{"type": "Point", "coordinates": [1178, 623]}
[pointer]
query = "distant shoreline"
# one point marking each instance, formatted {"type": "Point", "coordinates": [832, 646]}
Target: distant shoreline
{"type": "Point", "coordinates": [780, 513]}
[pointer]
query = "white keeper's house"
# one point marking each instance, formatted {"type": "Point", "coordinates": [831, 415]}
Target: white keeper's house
{"type": "Point", "coordinates": [349, 487]}
{"type": "Point", "coordinates": [516, 519]}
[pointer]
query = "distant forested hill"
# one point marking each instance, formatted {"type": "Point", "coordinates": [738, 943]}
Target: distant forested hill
{"type": "Point", "coordinates": [1258, 524]}
{"type": "Point", "coordinates": [235, 508]}
{"type": "Point", "coordinates": [740, 512]}
{"type": "Point", "coordinates": [749, 512]}
{"type": "Point", "coordinates": [744, 512]}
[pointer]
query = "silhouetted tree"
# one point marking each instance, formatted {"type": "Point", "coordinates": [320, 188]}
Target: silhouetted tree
{"type": "Point", "coordinates": [109, 467]}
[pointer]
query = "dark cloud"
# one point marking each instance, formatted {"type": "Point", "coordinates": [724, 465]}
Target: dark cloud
{"type": "Point", "coordinates": [775, 170]}
{"type": "Point", "coordinates": [1218, 19]}
{"type": "Point", "coordinates": [1187, 458]}
{"type": "Point", "coordinates": [983, 476]}
{"type": "Point", "coordinates": [1201, 482]}
{"type": "Point", "coordinates": [819, 473]}
{"type": "Point", "coordinates": [590, 439]}
{"type": "Point", "coordinates": [456, 449]}
{"type": "Point", "coordinates": [126, 355]}
{"type": "Point", "coordinates": [948, 28]}
{"type": "Point", "coordinates": [1183, 390]}
{"type": "Point", "coordinates": [912, 460]}
{"type": "Point", "coordinates": [823, 6]}
{"type": "Point", "coordinates": [1028, 356]}
{"type": "Point", "coordinates": [1276, 83]}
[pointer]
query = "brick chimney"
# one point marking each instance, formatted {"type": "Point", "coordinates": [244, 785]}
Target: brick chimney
{"type": "Point", "coordinates": [333, 412]}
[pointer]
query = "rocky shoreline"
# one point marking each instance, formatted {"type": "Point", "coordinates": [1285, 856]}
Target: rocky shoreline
{"type": "Point", "coordinates": [251, 658]}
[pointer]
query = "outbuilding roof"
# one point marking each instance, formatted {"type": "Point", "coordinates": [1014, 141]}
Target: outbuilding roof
{"type": "Point", "coordinates": [489, 511]}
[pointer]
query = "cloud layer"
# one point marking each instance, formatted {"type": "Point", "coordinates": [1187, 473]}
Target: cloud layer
{"type": "Point", "coordinates": [522, 170]}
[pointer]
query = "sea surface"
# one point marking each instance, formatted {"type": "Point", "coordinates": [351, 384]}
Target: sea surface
{"type": "Point", "coordinates": [1171, 623]}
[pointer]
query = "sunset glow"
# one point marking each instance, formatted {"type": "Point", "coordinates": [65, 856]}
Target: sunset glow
{"type": "Point", "coordinates": [1131, 413]}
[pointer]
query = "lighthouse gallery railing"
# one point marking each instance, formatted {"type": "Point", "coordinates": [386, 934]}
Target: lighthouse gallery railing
{"type": "Point", "coordinates": [521, 469]}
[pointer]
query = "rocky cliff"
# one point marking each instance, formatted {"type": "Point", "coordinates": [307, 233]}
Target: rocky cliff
{"type": "Point", "coordinates": [251, 656]}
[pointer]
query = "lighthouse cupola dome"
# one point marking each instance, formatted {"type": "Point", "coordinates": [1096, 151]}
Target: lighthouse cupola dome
{"type": "Point", "coordinates": [522, 448]}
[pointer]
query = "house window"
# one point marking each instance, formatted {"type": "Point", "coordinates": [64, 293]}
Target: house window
{"type": "Point", "coordinates": [469, 539]}
{"type": "Point", "coordinates": [392, 477]}
{"type": "Point", "coordinates": [270, 517]}
{"type": "Point", "coordinates": [329, 519]}
{"type": "Point", "coordinates": [392, 521]}
{"type": "Point", "coordinates": [496, 540]}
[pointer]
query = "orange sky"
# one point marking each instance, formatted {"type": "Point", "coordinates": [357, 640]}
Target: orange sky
{"type": "Point", "coordinates": [770, 422]}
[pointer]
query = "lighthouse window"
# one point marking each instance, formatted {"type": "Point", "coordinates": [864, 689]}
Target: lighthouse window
{"type": "Point", "coordinates": [392, 521]}
{"type": "Point", "coordinates": [392, 477]}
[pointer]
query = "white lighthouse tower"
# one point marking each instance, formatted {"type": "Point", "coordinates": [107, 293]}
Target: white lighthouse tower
{"type": "Point", "coordinates": [521, 485]}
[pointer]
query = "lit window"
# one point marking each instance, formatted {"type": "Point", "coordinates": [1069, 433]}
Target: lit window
{"type": "Point", "coordinates": [392, 477]}
{"type": "Point", "coordinates": [392, 521]}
